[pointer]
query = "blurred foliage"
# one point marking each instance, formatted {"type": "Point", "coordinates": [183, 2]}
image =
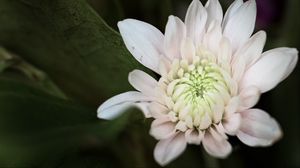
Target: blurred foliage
{"type": "Point", "coordinates": [59, 60]}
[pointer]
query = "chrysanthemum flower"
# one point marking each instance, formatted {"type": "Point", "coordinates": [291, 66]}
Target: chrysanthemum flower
{"type": "Point", "coordinates": [212, 72]}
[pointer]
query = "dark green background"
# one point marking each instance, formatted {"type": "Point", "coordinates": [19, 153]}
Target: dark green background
{"type": "Point", "coordinates": [59, 60]}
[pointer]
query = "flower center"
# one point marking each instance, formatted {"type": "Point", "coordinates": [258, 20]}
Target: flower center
{"type": "Point", "coordinates": [196, 92]}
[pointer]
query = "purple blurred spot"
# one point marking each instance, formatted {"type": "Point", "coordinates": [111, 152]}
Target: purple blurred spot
{"type": "Point", "coordinates": [269, 12]}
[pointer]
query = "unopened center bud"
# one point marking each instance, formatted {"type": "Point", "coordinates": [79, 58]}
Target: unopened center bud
{"type": "Point", "coordinates": [195, 93]}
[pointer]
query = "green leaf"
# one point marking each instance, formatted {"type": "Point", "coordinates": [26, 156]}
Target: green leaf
{"type": "Point", "coordinates": [71, 43]}
{"type": "Point", "coordinates": [37, 128]}
{"type": "Point", "coordinates": [10, 61]}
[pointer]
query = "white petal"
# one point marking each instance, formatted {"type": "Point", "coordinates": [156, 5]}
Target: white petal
{"type": "Point", "coordinates": [162, 128]}
{"type": "Point", "coordinates": [225, 53]}
{"type": "Point", "coordinates": [118, 104]}
{"type": "Point", "coordinates": [238, 70]}
{"type": "Point", "coordinates": [142, 82]}
{"type": "Point", "coordinates": [205, 121]}
{"type": "Point", "coordinates": [220, 148]}
{"type": "Point", "coordinates": [239, 27]}
{"type": "Point", "coordinates": [221, 130]}
{"type": "Point", "coordinates": [274, 66]}
{"type": "Point", "coordinates": [188, 50]}
{"type": "Point", "coordinates": [169, 149]}
{"type": "Point", "coordinates": [117, 110]}
{"type": "Point", "coordinates": [213, 37]}
{"type": "Point", "coordinates": [232, 106]}
{"type": "Point", "coordinates": [218, 136]}
{"type": "Point", "coordinates": [193, 136]}
{"type": "Point", "coordinates": [214, 12]}
{"type": "Point", "coordinates": [218, 109]}
{"type": "Point", "coordinates": [195, 21]}
{"type": "Point", "coordinates": [158, 110]}
{"type": "Point", "coordinates": [251, 51]}
{"type": "Point", "coordinates": [249, 97]}
{"type": "Point", "coordinates": [181, 126]}
{"type": "Point", "coordinates": [231, 11]}
{"type": "Point", "coordinates": [143, 41]}
{"type": "Point", "coordinates": [258, 128]}
{"type": "Point", "coordinates": [175, 33]}
{"type": "Point", "coordinates": [232, 124]}
{"type": "Point", "coordinates": [164, 67]}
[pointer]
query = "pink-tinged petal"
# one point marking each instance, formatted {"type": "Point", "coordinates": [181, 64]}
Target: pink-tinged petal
{"type": "Point", "coordinates": [225, 54]}
{"type": "Point", "coordinates": [239, 27]}
{"type": "Point", "coordinates": [193, 136]}
{"type": "Point", "coordinates": [232, 123]}
{"type": "Point", "coordinates": [118, 104]}
{"type": "Point", "coordinates": [273, 67]}
{"type": "Point", "coordinates": [162, 128]}
{"type": "Point", "coordinates": [231, 11]}
{"type": "Point", "coordinates": [175, 33]}
{"type": "Point", "coordinates": [143, 41]}
{"type": "Point", "coordinates": [181, 126]}
{"type": "Point", "coordinates": [232, 106]}
{"type": "Point", "coordinates": [218, 109]}
{"type": "Point", "coordinates": [164, 67]}
{"type": "Point", "coordinates": [169, 149]}
{"type": "Point", "coordinates": [248, 54]}
{"type": "Point", "coordinates": [117, 110]}
{"type": "Point", "coordinates": [214, 12]}
{"type": "Point", "coordinates": [251, 51]}
{"type": "Point", "coordinates": [217, 133]}
{"type": "Point", "coordinates": [258, 128]}
{"type": "Point", "coordinates": [221, 130]}
{"type": "Point", "coordinates": [158, 110]}
{"type": "Point", "coordinates": [205, 121]}
{"type": "Point", "coordinates": [216, 145]}
{"type": "Point", "coordinates": [238, 70]}
{"type": "Point", "coordinates": [142, 82]}
{"type": "Point", "coordinates": [213, 37]}
{"type": "Point", "coordinates": [249, 97]}
{"type": "Point", "coordinates": [188, 50]}
{"type": "Point", "coordinates": [195, 21]}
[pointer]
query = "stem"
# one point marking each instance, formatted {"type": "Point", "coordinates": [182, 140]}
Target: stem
{"type": "Point", "coordinates": [210, 162]}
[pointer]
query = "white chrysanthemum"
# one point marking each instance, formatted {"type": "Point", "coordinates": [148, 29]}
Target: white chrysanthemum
{"type": "Point", "coordinates": [212, 72]}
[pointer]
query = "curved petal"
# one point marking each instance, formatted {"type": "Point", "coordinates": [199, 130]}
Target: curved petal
{"type": "Point", "coordinates": [214, 12]}
{"type": "Point", "coordinates": [175, 33]}
{"type": "Point", "coordinates": [169, 149]}
{"type": "Point", "coordinates": [143, 41]}
{"type": "Point", "coordinates": [216, 145]}
{"type": "Point", "coordinates": [195, 21]}
{"type": "Point", "coordinates": [117, 110]}
{"type": "Point", "coordinates": [249, 97]}
{"type": "Point", "coordinates": [251, 51]}
{"type": "Point", "coordinates": [213, 37]}
{"type": "Point", "coordinates": [231, 11]}
{"type": "Point", "coordinates": [162, 128]}
{"type": "Point", "coordinates": [274, 66]}
{"type": "Point", "coordinates": [118, 104]}
{"type": "Point", "coordinates": [188, 50]}
{"type": "Point", "coordinates": [239, 27]}
{"type": "Point", "coordinates": [158, 110]}
{"type": "Point", "coordinates": [193, 136]}
{"type": "Point", "coordinates": [232, 124]}
{"type": "Point", "coordinates": [225, 54]}
{"type": "Point", "coordinates": [258, 128]}
{"type": "Point", "coordinates": [232, 106]}
{"type": "Point", "coordinates": [142, 82]}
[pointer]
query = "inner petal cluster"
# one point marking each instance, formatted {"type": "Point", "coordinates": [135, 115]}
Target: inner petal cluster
{"type": "Point", "coordinates": [195, 92]}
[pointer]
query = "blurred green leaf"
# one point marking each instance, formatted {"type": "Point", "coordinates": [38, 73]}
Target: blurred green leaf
{"type": "Point", "coordinates": [37, 128]}
{"type": "Point", "coordinates": [11, 61]}
{"type": "Point", "coordinates": [71, 43]}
